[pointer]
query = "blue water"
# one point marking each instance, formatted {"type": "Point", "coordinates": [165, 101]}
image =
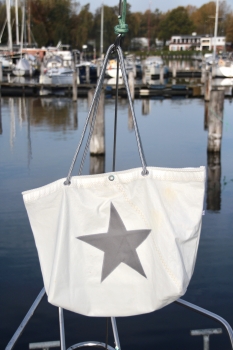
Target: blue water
{"type": "Point", "coordinates": [37, 143]}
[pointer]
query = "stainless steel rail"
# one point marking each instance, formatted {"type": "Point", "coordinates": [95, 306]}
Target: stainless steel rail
{"type": "Point", "coordinates": [95, 344]}
{"type": "Point", "coordinates": [115, 333]}
{"type": "Point", "coordinates": [62, 329]}
{"type": "Point", "coordinates": [208, 314]}
{"type": "Point", "coordinates": [37, 301]}
{"type": "Point", "coordinates": [25, 321]}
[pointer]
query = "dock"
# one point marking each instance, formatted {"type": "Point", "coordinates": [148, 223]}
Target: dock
{"type": "Point", "coordinates": [140, 90]}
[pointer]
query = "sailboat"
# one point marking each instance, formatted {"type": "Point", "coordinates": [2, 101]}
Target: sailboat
{"type": "Point", "coordinates": [23, 66]}
{"type": "Point", "coordinates": [224, 68]}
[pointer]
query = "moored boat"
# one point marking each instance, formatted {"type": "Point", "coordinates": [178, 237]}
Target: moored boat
{"type": "Point", "coordinates": [224, 69]}
{"type": "Point", "coordinates": [111, 69]}
{"type": "Point", "coordinates": [23, 68]}
{"type": "Point", "coordinates": [152, 66]}
{"type": "Point", "coordinates": [57, 76]}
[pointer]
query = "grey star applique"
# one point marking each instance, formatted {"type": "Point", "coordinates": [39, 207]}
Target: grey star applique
{"type": "Point", "coordinates": [118, 244]}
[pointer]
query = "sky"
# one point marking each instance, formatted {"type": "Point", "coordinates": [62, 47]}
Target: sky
{"type": "Point", "coordinates": [143, 5]}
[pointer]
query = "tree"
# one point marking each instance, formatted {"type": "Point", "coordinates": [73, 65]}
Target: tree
{"type": "Point", "coordinates": [110, 21]}
{"type": "Point", "coordinates": [204, 18]}
{"type": "Point", "coordinates": [59, 15]}
{"type": "Point", "coordinates": [176, 22]}
{"type": "Point", "coordinates": [81, 27]}
{"type": "Point", "coordinates": [229, 28]}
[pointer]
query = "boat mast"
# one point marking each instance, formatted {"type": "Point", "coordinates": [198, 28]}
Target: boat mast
{"type": "Point", "coordinates": [102, 31]}
{"type": "Point", "coordinates": [8, 16]}
{"type": "Point", "coordinates": [22, 29]}
{"type": "Point", "coordinates": [29, 21]}
{"type": "Point", "coordinates": [17, 21]}
{"type": "Point", "coordinates": [148, 25]}
{"type": "Point", "coordinates": [216, 28]}
{"type": "Point", "coordinates": [2, 31]}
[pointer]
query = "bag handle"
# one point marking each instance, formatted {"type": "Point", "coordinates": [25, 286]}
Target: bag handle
{"type": "Point", "coordinates": [93, 110]}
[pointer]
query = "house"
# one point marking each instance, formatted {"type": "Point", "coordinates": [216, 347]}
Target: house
{"type": "Point", "coordinates": [185, 42]}
{"type": "Point", "coordinates": [196, 42]}
{"type": "Point", "coordinates": [208, 42]}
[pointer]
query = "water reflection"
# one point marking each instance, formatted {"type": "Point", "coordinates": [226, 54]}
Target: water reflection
{"type": "Point", "coordinates": [213, 197]}
{"type": "Point", "coordinates": [28, 118]}
{"type": "Point", "coordinates": [75, 114]}
{"type": "Point", "coordinates": [97, 164]}
{"type": "Point", "coordinates": [61, 115]}
{"type": "Point", "coordinates": [183, 64]}
{"type": "Point", "coordinates": [52, 112]}
{"type": "Point", "coordinates": [145, 106]}
{"type": "Point", "coordinates": [173, 136]}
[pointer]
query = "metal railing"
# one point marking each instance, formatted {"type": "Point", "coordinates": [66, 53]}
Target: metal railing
{"type": "Point", "coordinates": [40, 296]}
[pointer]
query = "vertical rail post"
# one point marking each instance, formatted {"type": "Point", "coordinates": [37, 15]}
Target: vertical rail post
{"type": "Point", "coordinates": [115, 333]}
{"type": "Point", "coordinates": [62, 329]}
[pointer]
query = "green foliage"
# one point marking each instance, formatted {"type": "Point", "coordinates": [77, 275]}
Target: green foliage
{"type": "Point", "coordinates": [110, 20]}
{"type": "Point", "coordinates": [176, 22]}
{"type": "Point", "coordinates": [68, 21]}
{"type": "Point", "coordinates": [229, 28]}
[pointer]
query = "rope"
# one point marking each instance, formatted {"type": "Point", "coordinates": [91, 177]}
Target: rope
{"type": "Point", "coordinates": [93, 112]}
{"type": "Point", "coordinates": [99, 85]}
{"type": "Point", "coordinates": [115, 119]}
{"type": "Point", "coordinates": [138, 138]}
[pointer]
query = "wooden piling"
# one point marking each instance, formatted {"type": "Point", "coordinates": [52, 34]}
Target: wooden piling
{"type": "Point", "coordinates": [87, 74]}
{"type": "Point", "coordinates": [134, 67]}
{"type": "Point", "coordinates": [98, 69]}
{"type": "Point", "coordinates": [131, 84]}
{"type": "Point", "coordinates": [208, 83]}
{"type": "Point", "coordinates": [75, 92]}
{"type": "Point", "coordinates": [203, 73]}
{"type": "Point", "coordinates": [130, 120]}
{"type": "Point", "coordinates": [213, 71]}
{"type": "Point", "coordinates": [174, 71]}
{"type": "Point", "coordinates": [97, 144]}
{"type": "Point", "coordinates": [143, 74]}
{"type": "Point", "coordinates": [78, 76]}
{"type": "Point", "coordinates": [206, 115]}
{"type": "Point", "coordinates": [0, 71]}
{"type": "Point", "coordinates": [161, 76]}
{"type": "Point", "coordinates": [215, 121]}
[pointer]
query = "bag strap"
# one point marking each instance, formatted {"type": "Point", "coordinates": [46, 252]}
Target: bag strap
{"type": "Point", "coordinates": [93, 112]}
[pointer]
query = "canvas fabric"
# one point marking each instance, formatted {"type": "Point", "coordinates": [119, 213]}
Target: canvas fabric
{"type": "Point", "coordinates": [122, 243]}
{"type": "Point", "coordinates": [167, 203]}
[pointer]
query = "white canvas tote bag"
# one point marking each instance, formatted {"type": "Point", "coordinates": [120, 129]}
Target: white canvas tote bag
{"type": "Point", "coordinates": [121, 243]}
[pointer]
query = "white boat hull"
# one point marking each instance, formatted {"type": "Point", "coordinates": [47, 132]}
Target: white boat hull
{"type": "Point", "coordinates": [224, 71]}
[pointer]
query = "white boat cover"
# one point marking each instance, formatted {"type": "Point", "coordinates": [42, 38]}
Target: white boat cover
{"type": "Point", "coordinates": [23, 64]}
{"type": "Point", "coordinates": [118, 244]}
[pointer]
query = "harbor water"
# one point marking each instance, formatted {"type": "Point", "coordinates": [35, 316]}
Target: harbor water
{"type": "Point", "coordinates": [38, 138]}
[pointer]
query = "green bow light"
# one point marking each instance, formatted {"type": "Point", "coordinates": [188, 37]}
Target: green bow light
{"type": "Point", "coordinates": [122, 27]}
